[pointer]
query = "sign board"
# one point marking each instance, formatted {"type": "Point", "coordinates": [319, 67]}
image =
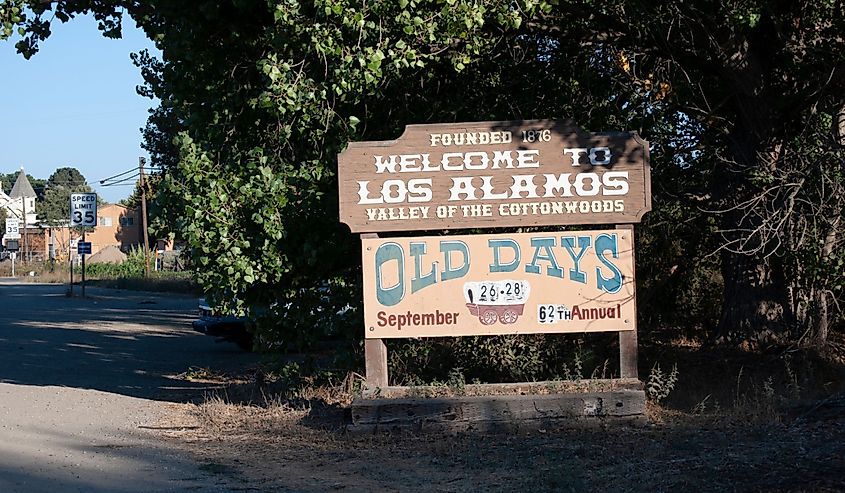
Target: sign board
{"type": "Point", "coordinates": [494, 174]}
{"type": "Point", "coordinates": [83, 248]}
{"type": "Point", "coordinates": [521, 283]}
{"type": "Point", "coordinates": [13, 231]}
{"type": "Point", "coordinates": [83, 209]}
{"type": "Point", "coordinates": [13, 245]}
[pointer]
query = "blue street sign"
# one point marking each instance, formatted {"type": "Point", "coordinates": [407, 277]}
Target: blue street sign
{"type": "Point", "coordinates": [83, 248]}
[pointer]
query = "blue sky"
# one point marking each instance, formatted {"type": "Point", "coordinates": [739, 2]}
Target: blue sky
{"type": "Point", "coordinates": [74, 104]}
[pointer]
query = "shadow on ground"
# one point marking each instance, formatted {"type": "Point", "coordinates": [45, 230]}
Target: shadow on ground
{"type": "Point", "coordinates": [131, 343]}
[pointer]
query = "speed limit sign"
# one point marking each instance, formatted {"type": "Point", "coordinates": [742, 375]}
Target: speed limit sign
{"type": "Point", "coordinates": [13, 228]}
{"type": "Point", "coordinates": [83, 209]}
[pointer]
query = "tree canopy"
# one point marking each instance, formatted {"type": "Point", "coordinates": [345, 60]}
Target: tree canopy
{"type": "Point", "coordinates": [742, 101]}
{"type": "Point", "coordinates": [54, 209]}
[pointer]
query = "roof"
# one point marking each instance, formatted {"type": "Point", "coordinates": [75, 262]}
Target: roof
{"type": "Point", "coordinates": [22, 188]}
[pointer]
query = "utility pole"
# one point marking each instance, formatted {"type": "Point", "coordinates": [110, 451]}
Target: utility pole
{"type": "Point", "coordinates": [25, 235]}
{"type": "Point", "coordinates": [142, 183]}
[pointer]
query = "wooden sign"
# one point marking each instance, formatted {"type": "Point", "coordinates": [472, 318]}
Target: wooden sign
{"type": "Point", "coordinates": [521, 283]}
{"type": "Point", "coordinates": [494, 174]}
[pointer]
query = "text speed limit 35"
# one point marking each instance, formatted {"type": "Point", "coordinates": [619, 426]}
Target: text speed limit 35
{"type": "Point", "coordinates": [83, 209]}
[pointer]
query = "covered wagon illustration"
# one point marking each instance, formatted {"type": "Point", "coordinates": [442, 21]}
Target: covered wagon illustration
{"type": "Point", "coordinates": [493, 301]}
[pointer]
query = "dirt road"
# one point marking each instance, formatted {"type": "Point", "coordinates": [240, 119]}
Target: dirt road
{"type": "Point", "coordinates": [89, 401]}
{"type": "Point", "coordinates": [84, 383]}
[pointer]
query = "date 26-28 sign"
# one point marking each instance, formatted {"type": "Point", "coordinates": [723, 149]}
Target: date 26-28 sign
{"type": "Point", "coordinates": [83, 209]}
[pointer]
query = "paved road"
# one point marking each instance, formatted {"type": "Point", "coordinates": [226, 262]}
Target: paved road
{"type": "Point", "coordinates": [82, 380]}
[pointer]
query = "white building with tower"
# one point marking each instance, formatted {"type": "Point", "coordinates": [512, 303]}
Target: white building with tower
{"type": "Point", "coordinates": [20, 201]}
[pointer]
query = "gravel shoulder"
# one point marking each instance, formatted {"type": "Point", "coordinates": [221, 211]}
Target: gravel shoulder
{"type": "Point", "coordinates": [84, 384]}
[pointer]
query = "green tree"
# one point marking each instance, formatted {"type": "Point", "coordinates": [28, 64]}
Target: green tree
{"type": "Point", "coordinates": [739, 99]}
{"type": "Point", "coordinates": [54, 209]}
{"type": "Point", "coordinates": [161, 225]}
{"type": "Point", "coordinates": [763, 80]}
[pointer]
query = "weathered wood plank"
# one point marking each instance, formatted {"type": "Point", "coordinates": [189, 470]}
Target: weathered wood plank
{"type": "Point", "coordinates": [628, 354]}
{"type": "Point", "coordinates": [375, 351]}
{"type": "Point", "coordinates": [488, 409]}
{"type": "Point", "coordinates": [517, 388]}
{"type": "Point", "coordinates": [491, 427]}
{"type": "Point", "coordinates": [375, 357]}
{"type": "Point", "coordinates": [628, 339]}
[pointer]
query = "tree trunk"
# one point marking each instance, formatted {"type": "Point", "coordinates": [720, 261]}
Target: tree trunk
{"type": "Point", "coordinates": [755, 304]}
{"type": "Point", "coordinates": [821, 328]}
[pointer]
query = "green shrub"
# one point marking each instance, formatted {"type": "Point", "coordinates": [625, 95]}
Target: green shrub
{"type": "Point", "coordinates": [133, 266]}
{"type": "Point", "coordinates": [490, 359]}
{"type": "Point", "coordinates": [661, 384]}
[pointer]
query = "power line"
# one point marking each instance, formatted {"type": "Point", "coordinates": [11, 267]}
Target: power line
{"type": "Point", "coordinates": [123, 180]}
{"type": "Point", "coordinates": [119, 174]}
{"type": "Point", "coordinates": [63, 184]}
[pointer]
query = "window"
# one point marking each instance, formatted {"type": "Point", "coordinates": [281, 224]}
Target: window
{"type": "Point", "coordinates": [105, 221]}
{"type": "Point", "coordinates": [127, 221]}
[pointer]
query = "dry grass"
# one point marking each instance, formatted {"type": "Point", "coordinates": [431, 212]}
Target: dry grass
{"type": "Point", "coordinates": [257, 402]}
{"type": "Point", "coordinates": [172, 282]}
{"type": "Point", "coordinates": [23, 271]}
{"type": "Point", "coordinates": [714, 385]}
{"type": "Point", "coordinates": [275, 447]}
{"type": "Point", "coordinates": [218, 416]}
{"type": "Point", "coordinates": [45, 272]}
{"type": "Point", "coordinates": [59, 273]}
{"type": "Point", "coordinates": [732, 424]}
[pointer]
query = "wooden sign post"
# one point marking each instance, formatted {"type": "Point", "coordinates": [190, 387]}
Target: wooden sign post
{"type": "Point", "coordinates": [496, 175]}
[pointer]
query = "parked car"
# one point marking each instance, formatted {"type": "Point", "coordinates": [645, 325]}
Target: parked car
{"type": "Point", "coordinates": [241, 329]}
{"type": "Point", "coordinates": [224, 327]}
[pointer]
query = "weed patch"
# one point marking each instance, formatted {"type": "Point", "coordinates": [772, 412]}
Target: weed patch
{"type": "Point", "coordinates": [123, 276]}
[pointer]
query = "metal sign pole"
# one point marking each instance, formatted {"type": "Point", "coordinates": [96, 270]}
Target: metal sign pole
{"type": "Point", "coordinates": [83, 264]}
{"type": "Point", "coordinates": [83, 213]}
{"type": "Point", "coordinates": [13, 263]}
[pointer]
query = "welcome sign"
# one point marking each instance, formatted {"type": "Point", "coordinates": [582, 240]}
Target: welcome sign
{"type": "Point", "coordinates": [573, 281]}
{"type": "Point", "coordinates": [494, 174]}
